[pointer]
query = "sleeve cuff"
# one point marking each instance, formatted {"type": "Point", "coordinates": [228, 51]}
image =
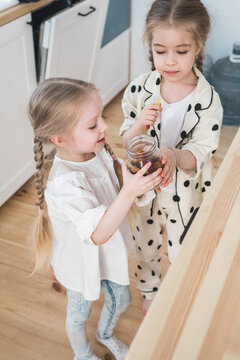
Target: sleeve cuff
{"type": "Point", "coordinates": [145, 199]}
{"type": "Point", "coordinates": [88, 223]}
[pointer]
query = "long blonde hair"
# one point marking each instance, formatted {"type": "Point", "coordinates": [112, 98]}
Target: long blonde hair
{"type": "Point", "coordinates": [54, 108]}
{"type": "Point", "coordinates": [191, 14]}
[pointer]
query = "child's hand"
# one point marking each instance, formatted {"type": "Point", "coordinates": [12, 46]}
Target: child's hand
{"type": "Point", "coordinates": [169, 162]}
{"type": "Point", "coordinates": [148, 115]}
{"type": "Point", "coordinates": [138, 184]}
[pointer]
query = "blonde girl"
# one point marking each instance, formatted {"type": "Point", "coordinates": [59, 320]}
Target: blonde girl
{"type": "Point", "coordinates": [186, 126]}
{"type": "Point", "coordinates": [82, 227]}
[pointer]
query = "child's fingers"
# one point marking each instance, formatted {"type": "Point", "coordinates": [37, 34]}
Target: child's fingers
{"type": "Point", "coordinates": [154, 107]}
{"type": "Point", "coordinates": [144, 169]}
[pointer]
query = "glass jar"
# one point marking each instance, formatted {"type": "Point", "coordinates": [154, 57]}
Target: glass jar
{"type": "Point", "coordinates": [140, 150]}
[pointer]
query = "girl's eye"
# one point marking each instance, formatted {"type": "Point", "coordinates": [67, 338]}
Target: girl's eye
{"type": "Point", "coordinates": [182, 52]}
{"type": "Point", "coordinates": [93, 127]}
{"type": "Point", "coordinates": [160, 52]}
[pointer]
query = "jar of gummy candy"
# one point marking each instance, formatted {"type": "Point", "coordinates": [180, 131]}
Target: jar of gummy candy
{"type": "Point", "coordinates": [140, 150]}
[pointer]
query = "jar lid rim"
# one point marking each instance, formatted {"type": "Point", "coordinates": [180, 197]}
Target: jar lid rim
{"type": "Point", "coordinates": [141, 138]}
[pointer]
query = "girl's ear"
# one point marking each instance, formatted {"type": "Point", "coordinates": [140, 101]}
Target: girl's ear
{"type": "Point", "coordinates": [57, 140]}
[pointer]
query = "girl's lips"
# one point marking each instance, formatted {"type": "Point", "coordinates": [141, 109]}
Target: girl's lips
{"type": "Point", "coordinates": [101, 140]}
{"type": "Point", "coordinates": [171, 73]}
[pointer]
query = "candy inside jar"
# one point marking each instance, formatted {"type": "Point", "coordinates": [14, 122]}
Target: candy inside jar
{"type": "Point", "coordinates": [140, 150]}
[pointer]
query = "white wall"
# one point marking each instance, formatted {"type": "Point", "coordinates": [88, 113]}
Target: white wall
{"type": "Point", "coordinates": [225, 15]}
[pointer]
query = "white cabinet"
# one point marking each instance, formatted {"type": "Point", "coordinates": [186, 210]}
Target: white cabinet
{"type": "Point", "coordinates": [139, 63]}
{"type": "Point", "coordinates": [75, 39]}
{"type": "Point", "coordinates": [17, 81]}
{"type": "Point", "coordinates": [110, 73]}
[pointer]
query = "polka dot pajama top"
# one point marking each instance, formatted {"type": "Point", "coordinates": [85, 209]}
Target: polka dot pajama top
{"type": "Point", "coordinates": [173, 211]}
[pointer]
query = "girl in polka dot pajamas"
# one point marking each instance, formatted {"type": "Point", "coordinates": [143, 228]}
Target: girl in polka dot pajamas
{"type": "Point", "coordinates": [186, 126]}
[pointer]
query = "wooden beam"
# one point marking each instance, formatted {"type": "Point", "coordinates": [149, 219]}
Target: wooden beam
{"type": "Point", "coordinates": [163, 327]}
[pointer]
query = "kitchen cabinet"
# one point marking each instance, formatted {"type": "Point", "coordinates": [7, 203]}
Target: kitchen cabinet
{"type": "Point", "coordinates": [17, 74]}
{"type": "Point", "coordinates": [74, 40]}
{"type": "Point", "coordinates": [89, 41]}
{"type": "Point", "coordinates": [111, 72]}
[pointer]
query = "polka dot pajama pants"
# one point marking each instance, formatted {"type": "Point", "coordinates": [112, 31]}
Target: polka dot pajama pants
{"type": "Point", "coordinates": [152, 220]}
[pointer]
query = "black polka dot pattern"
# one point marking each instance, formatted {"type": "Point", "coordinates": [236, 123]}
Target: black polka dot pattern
{"type": "Point", "coordinates": [139, 88]}
{"type": "Point", "coordinates": [142, 281]}
{"type": "Point", "coordinates": [159, 246]}
{"type": "Point", "coordinates": [139, 267]}
{"type": "Point", "coordinates": [132, 114]}
{"type": "Point", "coordinates": [192, 209]}
{"type": "Point", "coordinates": [159, 126]}
{"type": "Point", "coordinates": [186, 183]}
{"type": "Point", "coordinates": [196, 186]}
{"type": "Point", "coordinates": [150, 221]}
{"type": "Point", "coordinates": [203, 189]}
{"type": "Point", "coordinates": [155, 289]}
{"type": "Point", "coordinates": [176, 198]}
{"type": "Point", "coordinates": [139, 248]}
{"type": "Point", "coordinates": [153, 133]}
{"type": "Point", "coordinates": [134, 237]}
{"type": "Point", "coordinates": [183, 134]}
{"type": "Point", "coordinates": [213, 152]}
{"type": "Point", "coordinates": [173, 221]}
{"type": "Point", "coordinates": [159, 259]}
{"type": "Point", "coordinates": [160, 232]}
{"type": "Point", "coordinates": [153, 273]}
{"type": "Point", "coordinates": [207, 183]}
{"type": "Point", "coordinates": [135, 274]}
{"type": "Point", "coordinates": [169, 243]}
{"type": "Point", "coordinates": [158, 81]}
{"type": "Point", "coordinates": [198, 107]}
{"type": "Point", "coordinates": [150, 242]}
{"type": "Point", "coordinates": [215, 127]}
{"type": "Point", "coordinates": [189, 107]}
{"type": "Point", "coordinates": [137, 228]}
{"type": "Point", "coordinates": [159, 212]}
{"type": "Point", "coordinates": [133, 88]}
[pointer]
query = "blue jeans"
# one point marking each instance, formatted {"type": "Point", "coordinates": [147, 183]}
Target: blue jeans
{"type": "Point", "coordinates": [117, 300]}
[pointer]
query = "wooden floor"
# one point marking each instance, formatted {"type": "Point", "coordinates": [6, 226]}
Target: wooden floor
{"type": "Point", "coordinates": [32, 309]}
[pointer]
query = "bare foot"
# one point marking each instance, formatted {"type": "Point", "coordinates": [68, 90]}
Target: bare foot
{"type": "Point", "coordinates": [145, 305]}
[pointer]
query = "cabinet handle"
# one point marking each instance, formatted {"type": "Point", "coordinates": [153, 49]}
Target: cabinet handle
{"type": "Point", "coordinates": [88, 13]}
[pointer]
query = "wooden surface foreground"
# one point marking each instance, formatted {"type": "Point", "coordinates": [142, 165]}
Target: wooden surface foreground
{"type": "Point", "coordinates": [196, 313]}
{"type": "Point", "coordinates": [32, 310]}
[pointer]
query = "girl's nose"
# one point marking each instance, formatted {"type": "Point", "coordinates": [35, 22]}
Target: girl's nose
{"type": "Point", "coordinates": [170, 59]}
{"type": "Point", "coordinates": [104, 125]}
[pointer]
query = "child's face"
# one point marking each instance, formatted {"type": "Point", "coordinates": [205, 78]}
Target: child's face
{"type": "Point", "coordinates": [174, 51]}
{"type": "Point", "coordinates": [88, 134]}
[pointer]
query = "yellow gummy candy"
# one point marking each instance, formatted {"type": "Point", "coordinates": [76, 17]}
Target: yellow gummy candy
{"type": "Point", "coordinates": [159, 101]}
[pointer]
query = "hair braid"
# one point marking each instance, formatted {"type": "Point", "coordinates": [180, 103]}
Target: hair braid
{"type": "Point", "coordinates": [39, 176]}
{"type": "Point", "coordinates": [150, 58]}
{"type": "Point", "coordinates": [199, 62]}
{"type": "Point", "coordinates": [116, 164]}
{"type": "Point", "coordinates": [132, 213]}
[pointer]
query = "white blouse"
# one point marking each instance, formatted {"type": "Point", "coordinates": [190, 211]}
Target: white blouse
{"type": "Point", "coordinates": [77, 196]}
